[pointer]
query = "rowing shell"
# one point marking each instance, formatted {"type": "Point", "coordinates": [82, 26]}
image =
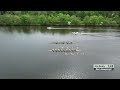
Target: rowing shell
{"type": "Point", "coordinates": [61, 43]}
{"type": "Point", "coordinates": [64, 50]}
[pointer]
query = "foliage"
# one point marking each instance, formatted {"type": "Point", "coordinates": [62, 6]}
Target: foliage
{"type": "Point", "coordinates": [59, 17]}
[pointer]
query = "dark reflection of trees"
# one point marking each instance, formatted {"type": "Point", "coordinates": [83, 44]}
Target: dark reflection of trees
{"type": "Point", "coordinates": [42, 29]}
{"type": "Point", "coordinates": [18, 29]}
{"type": "Point", "coordinates": [95, 30]}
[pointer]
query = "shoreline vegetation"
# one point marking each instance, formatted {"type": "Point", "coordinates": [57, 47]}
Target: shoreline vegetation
{"type": "Point", "coordinates": [60, 18]}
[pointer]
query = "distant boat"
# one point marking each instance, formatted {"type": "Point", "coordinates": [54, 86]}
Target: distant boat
{"type": "Point", "coordinates": [63, 28]}
{"type": "Point", "coordinates": [48, 27]}
{"type": "Point", "coordinates": [75, 33]}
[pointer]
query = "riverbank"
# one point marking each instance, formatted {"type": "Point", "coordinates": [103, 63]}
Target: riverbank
{"type": "Point", "coordinates": [60, 25]}
{"type": "Point", "coordinates": [56, 20]}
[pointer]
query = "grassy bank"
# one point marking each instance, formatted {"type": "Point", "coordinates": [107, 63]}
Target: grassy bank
{"type": "Point", "coordinates": [58, 19]}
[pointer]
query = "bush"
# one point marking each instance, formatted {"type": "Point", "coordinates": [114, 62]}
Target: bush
{"type": "Point", "coordinates": [25, 19]}
{"type": "Point", "coordinates": [93, 20]}
{"type": "Point", "coordinates": [96, 20]}
{"type": "Point", "coordinates": [10, 20]}
{"type": "Point", "coordinates": [117, 19]}
{"type": "Point", "coordinates": [86, 20]}
{"type": "Point", "coordinates": [14, 20]}
{"type": "Point", "coordinates": [3, 19]}
{"type": "Point", "coordinates": [41, 19]}
{"type": "Point", "coordinates": [63, 18]}
{"type": "Point", "coordinates": [75, 20]}
{"type": "Point", "coordinates": [52, 20]}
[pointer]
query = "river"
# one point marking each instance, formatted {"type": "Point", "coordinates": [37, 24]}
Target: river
{"type": "Point", "coordinates": [24, 52]}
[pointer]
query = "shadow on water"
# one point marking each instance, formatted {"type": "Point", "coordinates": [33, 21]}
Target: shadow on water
{"type": "Point", "coordinates": [44, 30]}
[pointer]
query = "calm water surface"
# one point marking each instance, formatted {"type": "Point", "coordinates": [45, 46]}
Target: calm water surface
{"type": "Point", "coordinates": [24, 53]}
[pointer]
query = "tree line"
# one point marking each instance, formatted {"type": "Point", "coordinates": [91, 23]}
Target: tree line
{"type": "Point", "coordinates": [60, 17]}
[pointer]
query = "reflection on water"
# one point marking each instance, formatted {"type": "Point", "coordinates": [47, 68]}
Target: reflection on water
{"type": "Point", "coordinates": [24, 52]}
{"type": "Point", "coordinates": [32, 29]}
